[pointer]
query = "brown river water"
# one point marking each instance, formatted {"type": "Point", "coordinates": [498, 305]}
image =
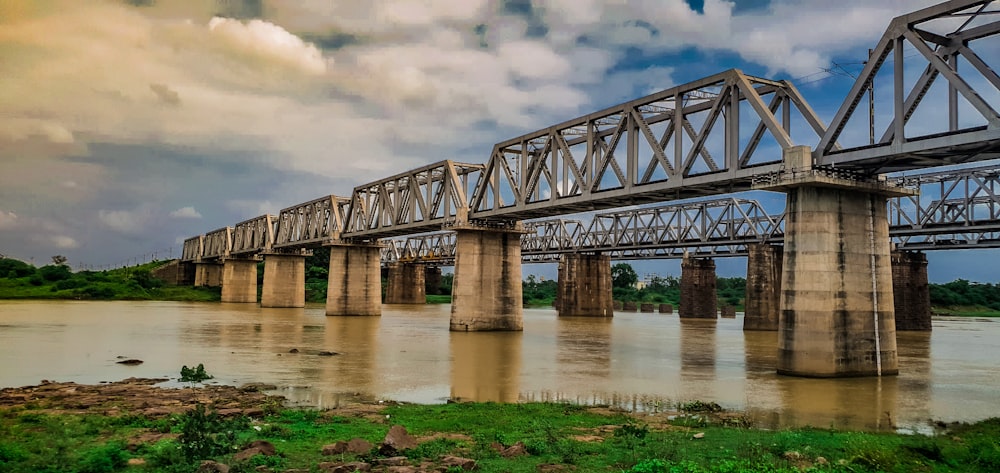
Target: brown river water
{"type": "Point", "coordinates": [635, 361]}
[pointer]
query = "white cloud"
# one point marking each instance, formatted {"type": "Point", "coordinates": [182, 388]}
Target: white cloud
{"type": "Point", "coordinates": [7, 219]}
{"type": "Point", "coordinates": [185, 212]}
{"type": "Point", "coordinates": [270, 40]}
{"type": "Point", "coordinates": [64, 242]}
{"type": "Point", "coordinates": [129, 222]}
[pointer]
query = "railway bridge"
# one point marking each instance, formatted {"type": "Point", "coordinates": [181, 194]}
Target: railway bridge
{"type": "Point", "coordinates": [722, 134]}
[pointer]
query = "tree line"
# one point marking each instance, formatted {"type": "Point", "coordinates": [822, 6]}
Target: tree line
{"type": "Point", "coordinates": [19, 279]}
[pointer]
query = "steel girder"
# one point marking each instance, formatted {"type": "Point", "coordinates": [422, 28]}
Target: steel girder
{"type": "Point", "coordinates": [311, 224]}
{"type": "Point", "coordinates": [254, 236]}
{"type": "Point", "coordinates": [428, 248]}
{"type": "Point", "coordinates": [415, 201]}
{"type": "Point", "coordinates": [652, 149]}
{"type": "Point", "coordinates": [218, 243]}
{"type": "Point", "coordinates": [932, 33]}
{"type": "Point", "coordinates": [193, 248]}
{"type": "Point", "coordinates": [956, 209]}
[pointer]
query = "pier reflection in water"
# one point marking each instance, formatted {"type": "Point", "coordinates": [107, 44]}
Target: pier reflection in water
{"type": "Point", "coordinates": [635, 360]}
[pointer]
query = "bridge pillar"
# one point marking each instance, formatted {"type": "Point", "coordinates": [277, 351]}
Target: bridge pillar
{"type": "Point", "coordinates": [355, 280]}
{"type": "Point", "coordinates": [239, 280]}
{"type": "Point", "coordinates": [698, 297]}
{"type": "Point", "coordinates": [486, 292]}
{"type": "Point", "coordinates": [284, 281]}
{"type": "Point", "coordinates": [763, 293]}
{"type": "Point", "coordinates": [837, 315]}
{"type": "Point", "coordinates": [584, 286]}
{"type": "Point", "coordinates": [405, 284]}
{"type": "Point", "coordinates": [911, 293]}
{"type": "Point", "coordinates": [208, 274]}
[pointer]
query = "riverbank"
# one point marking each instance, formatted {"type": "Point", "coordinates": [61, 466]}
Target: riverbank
{"type": "Point", "coordinates": [132, 425]}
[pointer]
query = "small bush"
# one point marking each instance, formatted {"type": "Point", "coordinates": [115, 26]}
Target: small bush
{"type": "Point", "coordinates": [194, 375]}
{"type": "Point", "coordinates": [204, 434]}
{"type": "Point", "coordinates": [105, 459]}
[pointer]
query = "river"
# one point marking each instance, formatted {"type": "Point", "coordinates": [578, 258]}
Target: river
{"type": "Point", "coordinates": [636, 361]}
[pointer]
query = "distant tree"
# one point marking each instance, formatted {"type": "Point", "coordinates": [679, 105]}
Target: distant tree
{"type": "Point", "coordinates": [59, 260]}
{"type": "Point", "coordinates": [55, 272]}
{"type": "Point", "coordinates": [12, 268]}
{"type": "Point", "coordinates": [622, 275]}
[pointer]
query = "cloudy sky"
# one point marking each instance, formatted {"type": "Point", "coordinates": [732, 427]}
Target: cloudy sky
{"type": "Point", "coordinates": [129, 125]}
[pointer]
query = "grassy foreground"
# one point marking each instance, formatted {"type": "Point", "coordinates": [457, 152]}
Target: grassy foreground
{"type": "Point", "coordinates": [549, 437]}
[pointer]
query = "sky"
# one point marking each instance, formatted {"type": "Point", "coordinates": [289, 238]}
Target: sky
{"type": "Point", "coordinates": [127, 126]}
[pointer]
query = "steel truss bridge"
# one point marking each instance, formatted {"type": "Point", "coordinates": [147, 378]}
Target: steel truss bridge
{"type": "Point", "coordinates": [710, 137]}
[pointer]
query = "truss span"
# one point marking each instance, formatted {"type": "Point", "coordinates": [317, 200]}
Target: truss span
{"type": "Point", "coordinates": [311, 224]}
{"type": "Point", "coordinates": [948, 38]}
{"type": "Point", "coordinates": [683, 142]}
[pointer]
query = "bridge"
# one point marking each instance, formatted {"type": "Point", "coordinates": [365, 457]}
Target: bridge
{"type": "Point", "coordinates": [828, 287]}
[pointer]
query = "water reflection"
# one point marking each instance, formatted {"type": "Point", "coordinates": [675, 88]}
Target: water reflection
{"type": "Point", "coordinates": [485, 366]}
{"type": "Point", "coordinates": [584, 346]}
{"type": "Point", "coordinates": [637, 361]}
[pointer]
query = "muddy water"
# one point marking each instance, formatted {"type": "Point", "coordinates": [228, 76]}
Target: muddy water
{"type": "Point", "coordinates": [637, 361]}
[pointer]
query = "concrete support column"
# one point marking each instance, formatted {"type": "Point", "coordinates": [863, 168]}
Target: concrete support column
{"type": "Point", "coordinates": [284, 281]}
{"type": "Point", "coordinates": [837, 316]}
{"type": "Point", "coordinates": [584, 286]}
{"type": "Point", "coordinates": [486, 293]}
{"type": "Point", "coordinates": [355, 283]}
{"type": "Point", "coordinates": [911, 293]}
{"type": "Point", "coordinates": [405, 284]}
{"type": "Point", "coordinates": [698, 297]}
{"type": "Point", "coordinates": [185, 274]}
{"type": "Point", "coordinates": [239, 280]}
{"type": "Point", "coordinates": [763, 293]}
{"type": "Point", "coordinates": [208, 274]}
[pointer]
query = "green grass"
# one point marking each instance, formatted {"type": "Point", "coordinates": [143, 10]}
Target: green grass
{"type": "Point", "coordinates": [966, 311]}
{"type": "Point", "coordinates": [550, 433]}
{"type": "Point", "coordinates": [439, 299]}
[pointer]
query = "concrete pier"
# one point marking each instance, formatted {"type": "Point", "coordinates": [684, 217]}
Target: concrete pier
{"type": "Point", "coordinates": [911, 293]}
{"type": "Point", "coordinates": [239, 280]}
{"type": "Point", "coordinates": [355, 285]}
{"type": "Point", "coordinates": [405, 284]}
{"type": "Point", "coordinates": [284, 281]}
{"type": "Point", "coordinates": [584, 286]}
{"type": "Point", "coordinates": [486, 293]}
{"type": "Point", "coordinates": [208, 274]}
{"type": "Point", "coordinates": [763, 292]}
{"type": "Point", "coordinates": [837, 316]}
{"type": "Point", "coordinates": [698, 297]}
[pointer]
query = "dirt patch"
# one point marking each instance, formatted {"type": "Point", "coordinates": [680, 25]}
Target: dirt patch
{"type": "Point", "coordinates": [136, 396]}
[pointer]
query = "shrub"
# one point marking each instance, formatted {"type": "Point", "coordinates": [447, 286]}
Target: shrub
{"type": "Point", "coordinates": [55, 272]}
{"type": "Point", "coordinates": [105, 459]}
{"type": "Point", "coordinates": [194, 375]}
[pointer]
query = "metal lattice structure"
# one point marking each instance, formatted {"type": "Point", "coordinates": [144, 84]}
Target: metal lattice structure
{"type": "Point", "coordinates": [933, 34]}
{"type": "Point", "coordinates": [193, 248]}
{"type": "Point", "coordinates": [253, 237]}
{"type": "Point", "coordinates": [717, 222]}
{"type": "Point", "coordinates": [218, 243]}
{"type": "Point", "coordinates": [710, 137]}
{"type": "Point", "coordinates": [955, 209]}
{"type": "Point", "coordinates": [615, 157]}
{"type": "Point", "coordinates": [415, 201]}
{"type": "Point", "coordinates": [311, 224]}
